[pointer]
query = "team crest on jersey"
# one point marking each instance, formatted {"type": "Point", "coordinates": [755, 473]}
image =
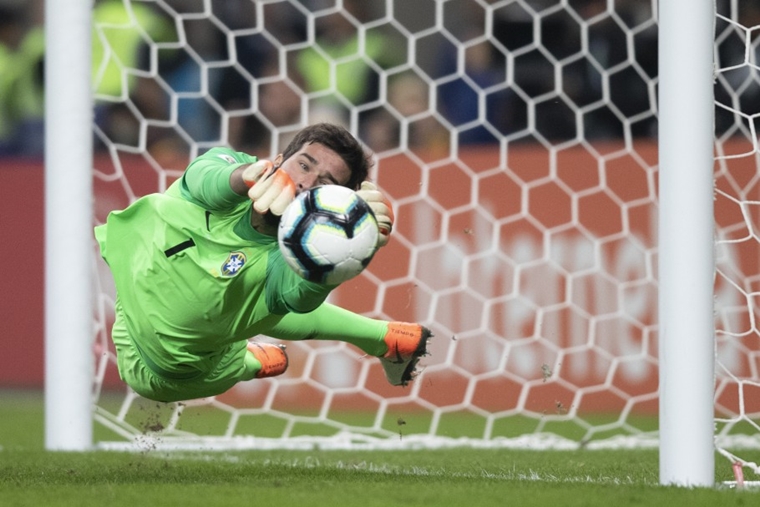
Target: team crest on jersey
{"type": "Point", "coordinates": [227, 158]}
{"type": "Point", "coordinates": [233, 264]}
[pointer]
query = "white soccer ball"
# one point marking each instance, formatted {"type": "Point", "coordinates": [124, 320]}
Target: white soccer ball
{"type": "Point", "coordinates": [328, 234]}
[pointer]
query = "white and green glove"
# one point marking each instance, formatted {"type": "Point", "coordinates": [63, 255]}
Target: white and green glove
{"type": "Point", "coordinates": [270, 189]}
{"type": "Point", "coordinates": [381, 208]}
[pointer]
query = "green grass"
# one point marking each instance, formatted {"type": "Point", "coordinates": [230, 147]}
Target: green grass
{"type": "Point", "coordinates": [31, 476]}
{"type": "Point", "coordinates": [145, 415]}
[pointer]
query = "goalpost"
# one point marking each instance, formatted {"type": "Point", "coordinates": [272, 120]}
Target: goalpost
{"type": "Point", "coordinates": [68, 226]}
{"type": "Point", "coordinates": [686, 243]}
{"type": "Point", "coordinates": [530, 237]}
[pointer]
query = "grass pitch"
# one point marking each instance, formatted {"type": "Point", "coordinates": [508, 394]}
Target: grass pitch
{"type": "Point", "coordinates": [31, 476]}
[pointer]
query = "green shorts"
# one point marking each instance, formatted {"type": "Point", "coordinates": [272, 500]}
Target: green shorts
{"type": "Point", "coordinates": [236, 364]}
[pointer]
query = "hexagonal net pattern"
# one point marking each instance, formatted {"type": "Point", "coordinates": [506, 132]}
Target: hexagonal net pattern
{"type": "Point", "coordinates": [515, 139]}
{"type": "Point", "coordinates": [737, 101]}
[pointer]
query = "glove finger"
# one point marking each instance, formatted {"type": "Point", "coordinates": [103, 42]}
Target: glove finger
{"type": "Point", "coordinates": [370, 196]}
{"type": "Point", "coordinates": [259, 189]}
{"type": "Point", "coordinates": [285, 192]}
{"type": "Point", "coordinates": [383, 213]}
{"type": "Point", "coordinates": [278, 190]}
{"type": "Point", "coordinates": [367, 185]}
{"type": "Point", "coordinates": [384, 228]}
{"type": "Point", "coordinates": [283, 199]}
{"type": "Point", "coordinates": [262, 203]}
{"type": "Point", "coordinates": [369, 192]}
{"type": "Point", "coordinates": [264, 183]}
{"type": "Point", "coordinates": [256, 171]}
{"type": "Point", "coordinates": [379, 208]}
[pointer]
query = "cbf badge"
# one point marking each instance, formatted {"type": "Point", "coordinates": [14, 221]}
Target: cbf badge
{"type": "Point", "coordinates": [233, 264]}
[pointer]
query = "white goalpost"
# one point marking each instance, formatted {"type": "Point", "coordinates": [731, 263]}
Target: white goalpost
{"type": "Point", "coordinates": [68, 226]}
{"type": "Point", "coordinates": [576, 218]}
{"type": "Point", "coordinates": [686, 242]}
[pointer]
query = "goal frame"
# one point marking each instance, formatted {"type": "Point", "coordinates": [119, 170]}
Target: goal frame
{"type": "Point", "coordinates": [685, 242]}
{"type": "Point", "coordinates": [68, 297]}
{"type": "Point", "coordinates": [686, 334]}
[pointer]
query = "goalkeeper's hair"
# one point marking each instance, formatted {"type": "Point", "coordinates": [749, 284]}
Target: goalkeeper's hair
{"type": "Point", "coordinates": [339, 140]}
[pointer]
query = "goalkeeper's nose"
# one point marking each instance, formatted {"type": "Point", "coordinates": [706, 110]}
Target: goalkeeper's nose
{"type": "Point", "coordinates": [305, 182]}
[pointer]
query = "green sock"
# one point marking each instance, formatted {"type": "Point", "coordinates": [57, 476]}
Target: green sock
{"type": "Point", "coordinates": [330, 322]}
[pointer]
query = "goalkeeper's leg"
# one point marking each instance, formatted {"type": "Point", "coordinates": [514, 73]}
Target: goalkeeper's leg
{"type": "Point", "coordinates": [238, 362]}
{"type": "Point", "coordinates": [399, 345]}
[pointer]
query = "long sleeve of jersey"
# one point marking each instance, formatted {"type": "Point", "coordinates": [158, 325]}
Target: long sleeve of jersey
{"type": "Point", "coordinates": [206, 181]}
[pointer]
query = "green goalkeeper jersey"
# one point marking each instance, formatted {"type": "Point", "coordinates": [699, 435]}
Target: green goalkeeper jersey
{"type": "Point", "coordinates": [193, 276]}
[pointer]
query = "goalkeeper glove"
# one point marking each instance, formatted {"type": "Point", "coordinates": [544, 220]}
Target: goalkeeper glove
{"type": "Point", "coordinates": [269, 188]}
{"type": "Point", "coordinates": [380, 207]}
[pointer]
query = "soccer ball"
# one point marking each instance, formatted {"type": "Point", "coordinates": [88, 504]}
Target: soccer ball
{"type": "Point", "coordinates": [328, 234]}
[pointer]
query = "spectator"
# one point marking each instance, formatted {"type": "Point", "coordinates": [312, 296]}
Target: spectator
{"type": "Point", "coordinates": [336, 75]}
{"type": "Point", "coordinates": [460, 100]}
{"type": "Point", "coordinates": [21, 81]}
{"type": "Point", "coordinates": [118, 47]}
{"type": "Point", "coordinates": [413, 126]}
{"type": "Point", "coordinates": [264, 104]}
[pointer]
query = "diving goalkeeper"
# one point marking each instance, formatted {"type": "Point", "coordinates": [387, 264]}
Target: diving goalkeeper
{"type": "Point", "coordinates": [198, 273]}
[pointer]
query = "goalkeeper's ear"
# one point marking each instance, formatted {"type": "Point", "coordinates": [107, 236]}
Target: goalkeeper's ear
{"type": "Point", "coordinates": [382, 209]}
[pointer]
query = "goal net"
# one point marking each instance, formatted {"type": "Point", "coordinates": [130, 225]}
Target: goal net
{"type": "Point", "coordinates": [737, 101]}
{"type": "Point", "coordinates": [517, 142]}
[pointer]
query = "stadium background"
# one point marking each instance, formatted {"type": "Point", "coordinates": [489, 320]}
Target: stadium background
{"type": "Point", "coordinates": [620, 218]}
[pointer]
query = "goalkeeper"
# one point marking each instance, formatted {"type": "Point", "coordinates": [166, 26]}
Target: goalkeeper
{"type": "Point", "coordinates": [198, 272]}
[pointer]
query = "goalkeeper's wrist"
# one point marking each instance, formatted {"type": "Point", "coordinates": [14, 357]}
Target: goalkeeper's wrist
{"type": "Point", "coordinates": [237, 184]}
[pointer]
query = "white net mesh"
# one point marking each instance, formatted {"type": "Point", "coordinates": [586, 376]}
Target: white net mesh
{"type": "Point", "coordinates": [737, 98]}
{"type": "Point", "coordinates": [516, 140]}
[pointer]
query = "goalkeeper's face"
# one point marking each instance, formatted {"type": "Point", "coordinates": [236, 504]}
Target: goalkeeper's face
{"type": "Point", "coordinates": [314, 165]}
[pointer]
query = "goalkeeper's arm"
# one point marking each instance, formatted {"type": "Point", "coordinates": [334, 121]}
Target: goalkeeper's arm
{"type": "Point", "coordinates": [222, 178]}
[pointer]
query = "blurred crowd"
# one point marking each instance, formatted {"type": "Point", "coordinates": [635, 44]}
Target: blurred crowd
{"type": "Point", "coordinates": [22, 50]}
{"type": "Point", "coordinates": [164, 83]}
